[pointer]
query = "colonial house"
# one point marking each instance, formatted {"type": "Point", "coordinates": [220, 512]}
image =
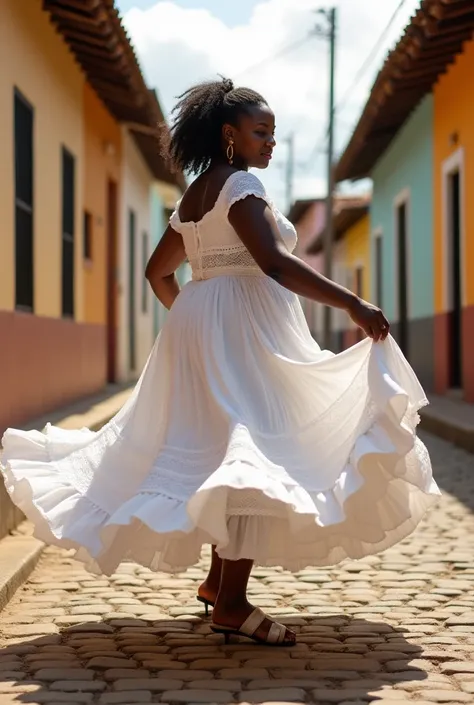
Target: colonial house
{"type": "Point", "coordinates": [79, 158]}
{"type": "Point", "coordinates": [453, 220]}
{"type": "Point", "coordinates": [308, 217]}
{"type": "Point", "coordinates": [414, 141]}
{"type": "Point", "coordinates": [351, 259]}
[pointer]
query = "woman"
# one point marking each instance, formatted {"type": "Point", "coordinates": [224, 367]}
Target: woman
{"type": "Point", "coordinates": [241, 432]}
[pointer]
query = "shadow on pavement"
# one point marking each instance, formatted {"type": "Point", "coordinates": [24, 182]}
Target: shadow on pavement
{"type": "Point", "coordinates": [126, 661]}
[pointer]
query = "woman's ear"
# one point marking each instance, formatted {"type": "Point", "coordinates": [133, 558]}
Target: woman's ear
{"type": "Point", "coordinates": [227, 132]}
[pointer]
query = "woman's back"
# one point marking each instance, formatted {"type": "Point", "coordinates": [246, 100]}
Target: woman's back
{"type": "Point", "coordinates": [211, 243]}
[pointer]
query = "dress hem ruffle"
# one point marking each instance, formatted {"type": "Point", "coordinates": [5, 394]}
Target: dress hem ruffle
{"type": "Point", "coordinates": [378, 499]}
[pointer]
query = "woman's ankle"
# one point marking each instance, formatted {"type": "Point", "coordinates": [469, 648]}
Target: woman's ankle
{"type": "Point", "coordinates": [232, 602]}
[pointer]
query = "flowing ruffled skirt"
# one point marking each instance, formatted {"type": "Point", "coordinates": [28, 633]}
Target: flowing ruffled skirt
{"type": "Point", "coordinates": [243, 433]}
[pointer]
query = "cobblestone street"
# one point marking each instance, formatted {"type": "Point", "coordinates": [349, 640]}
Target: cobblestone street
{"type": "Point", "coordinates": [397, 627]}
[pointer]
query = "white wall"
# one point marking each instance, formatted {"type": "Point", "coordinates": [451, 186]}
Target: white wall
{"type": "Point", "coordinates": [136, 189]}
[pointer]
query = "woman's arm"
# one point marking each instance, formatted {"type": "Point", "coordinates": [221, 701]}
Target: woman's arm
{"type": "Point", "coordinates": [161, 267]}
{"type": "Point", "coordinates": [255, 224]}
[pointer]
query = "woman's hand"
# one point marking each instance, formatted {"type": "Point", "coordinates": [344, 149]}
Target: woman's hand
{"type": "Point", "coordinates": [370, 318]}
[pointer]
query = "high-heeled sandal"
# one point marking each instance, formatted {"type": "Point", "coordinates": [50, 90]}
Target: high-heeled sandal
{"type": "Point", "coordinates": [206, 603]}
{"type": "Point", "coordinates": [275, 636]}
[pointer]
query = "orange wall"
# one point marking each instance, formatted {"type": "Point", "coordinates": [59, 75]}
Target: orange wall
{"type": "Point", "coordinates": [102, 157]}
{"type": "Point", "coordinates": [454, 113]}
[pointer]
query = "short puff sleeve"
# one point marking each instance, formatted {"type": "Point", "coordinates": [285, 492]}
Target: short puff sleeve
{"type": "Point", "coordinates": [239, 186]}
{"type": "Point", "coordinates": [174, 220]}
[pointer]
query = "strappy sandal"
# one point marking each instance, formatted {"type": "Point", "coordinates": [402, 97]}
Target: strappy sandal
{"type": "Point", "coordinates": [275, 636]}
{"type": "Point", "coordinates": [206, 603]}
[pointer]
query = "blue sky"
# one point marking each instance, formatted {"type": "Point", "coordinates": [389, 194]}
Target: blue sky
{"type": "Point", "coordinates": [182, 42]}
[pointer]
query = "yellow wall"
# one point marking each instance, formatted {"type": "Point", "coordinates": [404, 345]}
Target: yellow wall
{"type": "Point", "coordinates": [454, 114]}
{"type": "Point", "coordinates": [35, 59]}
{"type": "Point", "coordinates": [357, 252]}
{"type": "Point", "coordinates": [102, 161]}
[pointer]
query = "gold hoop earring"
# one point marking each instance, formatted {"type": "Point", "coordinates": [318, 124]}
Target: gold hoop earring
{"type": "Point", "coordinates": [230, 152]}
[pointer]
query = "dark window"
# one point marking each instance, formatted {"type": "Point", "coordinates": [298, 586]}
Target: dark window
{"type": "Point", "coordinates": [68, 189]}
{"type": "Point", "coordinates": [359, 280]}
{"type": "Point", "coordinates": [145, 255]}
{"type": "Point", "coordinates": [23, 139]}
{"type": "Point", "coordinates": [403, 283]}
{"type": "Point", "coordinates": [87, 235]}
{"type": "Point", "coordinates": [455, 281]}
{"type": "Point", "coordinates": [131, 291]}
{"type": "Point", "coordinates": [378, 270]}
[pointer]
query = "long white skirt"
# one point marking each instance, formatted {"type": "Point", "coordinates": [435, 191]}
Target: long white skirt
{"type": "Point", "coordinates": [241, 432]}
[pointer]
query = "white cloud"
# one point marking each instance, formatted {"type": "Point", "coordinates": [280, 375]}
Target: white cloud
{"type": "Point", "coordinates": [178, 47]}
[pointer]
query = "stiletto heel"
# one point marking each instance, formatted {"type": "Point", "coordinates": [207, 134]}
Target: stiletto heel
{"type": "Point", "coordinates": [206, 604]}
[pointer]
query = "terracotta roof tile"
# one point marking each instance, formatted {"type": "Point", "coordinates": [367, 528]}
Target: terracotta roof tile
{"type": "Point", "coordinates": [95, 34]}
{"type": "Point", "coordinates": [431, 41]}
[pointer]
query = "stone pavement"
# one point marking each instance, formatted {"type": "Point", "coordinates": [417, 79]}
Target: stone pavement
{"type": "Point", "coordinates": [397, 627]}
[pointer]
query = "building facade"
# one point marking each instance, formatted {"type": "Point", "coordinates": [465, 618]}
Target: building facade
{"type": "Point", "coordinates": [402, 239]}
{"type": "Point", "coordinates": [453, 172]}
{"type": "Point", "coordinates": [79, 157]}
{"type": "Point", "coordinates": [42, 318]}
{"type": "Point", "coordinates": [135, 297]}
{"type": "Point", "coordinates": [347, 268]}
{"type": "Point", "coordinates": [308, 217]}
{"type": "Point", "coordinates": [100, 228]}
{"type": "Point", "coordinates": [413, 139]}
{"type": "Point", "coordinates": [356, 236]}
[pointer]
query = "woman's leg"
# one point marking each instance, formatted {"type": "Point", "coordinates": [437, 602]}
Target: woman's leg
{"type": "Point", "coordinates": [232, 607]}
{"type": "Point", "coordinates": [210, 587]}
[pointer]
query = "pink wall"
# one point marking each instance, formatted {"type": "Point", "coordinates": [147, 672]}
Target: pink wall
{"type": "Point", "coordinates": [307, 228]}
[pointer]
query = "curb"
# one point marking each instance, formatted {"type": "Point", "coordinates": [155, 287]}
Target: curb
{"type": "Point", "coordinates": [19, 555]}
{"type": "Point", "coordinates": [463, 437]}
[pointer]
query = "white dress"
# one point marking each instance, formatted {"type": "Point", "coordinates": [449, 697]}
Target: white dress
{"type": "Point", "coordinates": [240, 432]}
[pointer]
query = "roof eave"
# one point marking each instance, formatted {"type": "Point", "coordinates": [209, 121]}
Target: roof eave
{"type": "Point", "coordinates": [96, 37]}
{"type": "Point", "coordinates": [345, 219]}
{"type": "Point", "coordinates": [430, 43]}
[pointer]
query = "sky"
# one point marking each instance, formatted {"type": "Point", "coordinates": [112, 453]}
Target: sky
{"type": "Point", "coordinates": [182, 42]}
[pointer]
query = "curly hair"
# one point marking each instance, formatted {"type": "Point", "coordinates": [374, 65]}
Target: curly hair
{"type": "Point", "coordinates": [194, 138]}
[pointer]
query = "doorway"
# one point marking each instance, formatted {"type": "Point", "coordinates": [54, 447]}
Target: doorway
{"type": "Point", "coordinates": [402, 273]}
{"type": "Point", "coordinates": [454, 278]}
{"type": "Point", "coordinates": [132, 355]}
{"type": "Point", "coordinates": [111, 278]}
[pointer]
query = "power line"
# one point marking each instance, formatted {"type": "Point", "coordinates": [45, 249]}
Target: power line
{"type": "Point", "coordinates": [373, 54]}
{"type": "Point", "coordinates": [282, 52]}
{"type": "Point", "coordinates": [357, 78]}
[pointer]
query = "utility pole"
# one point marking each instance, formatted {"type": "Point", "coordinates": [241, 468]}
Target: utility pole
{"type": "Point", "coordinates": [329, 230]}
{"type": "Point", "coordinates": [290, 168]}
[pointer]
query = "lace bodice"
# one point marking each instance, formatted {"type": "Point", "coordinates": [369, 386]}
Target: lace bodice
{"type": "Point", "coordinates": [212, 245]}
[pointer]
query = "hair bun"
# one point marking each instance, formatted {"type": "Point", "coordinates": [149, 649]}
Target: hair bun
{"type": "Point", "coordinates": [227, 85]}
